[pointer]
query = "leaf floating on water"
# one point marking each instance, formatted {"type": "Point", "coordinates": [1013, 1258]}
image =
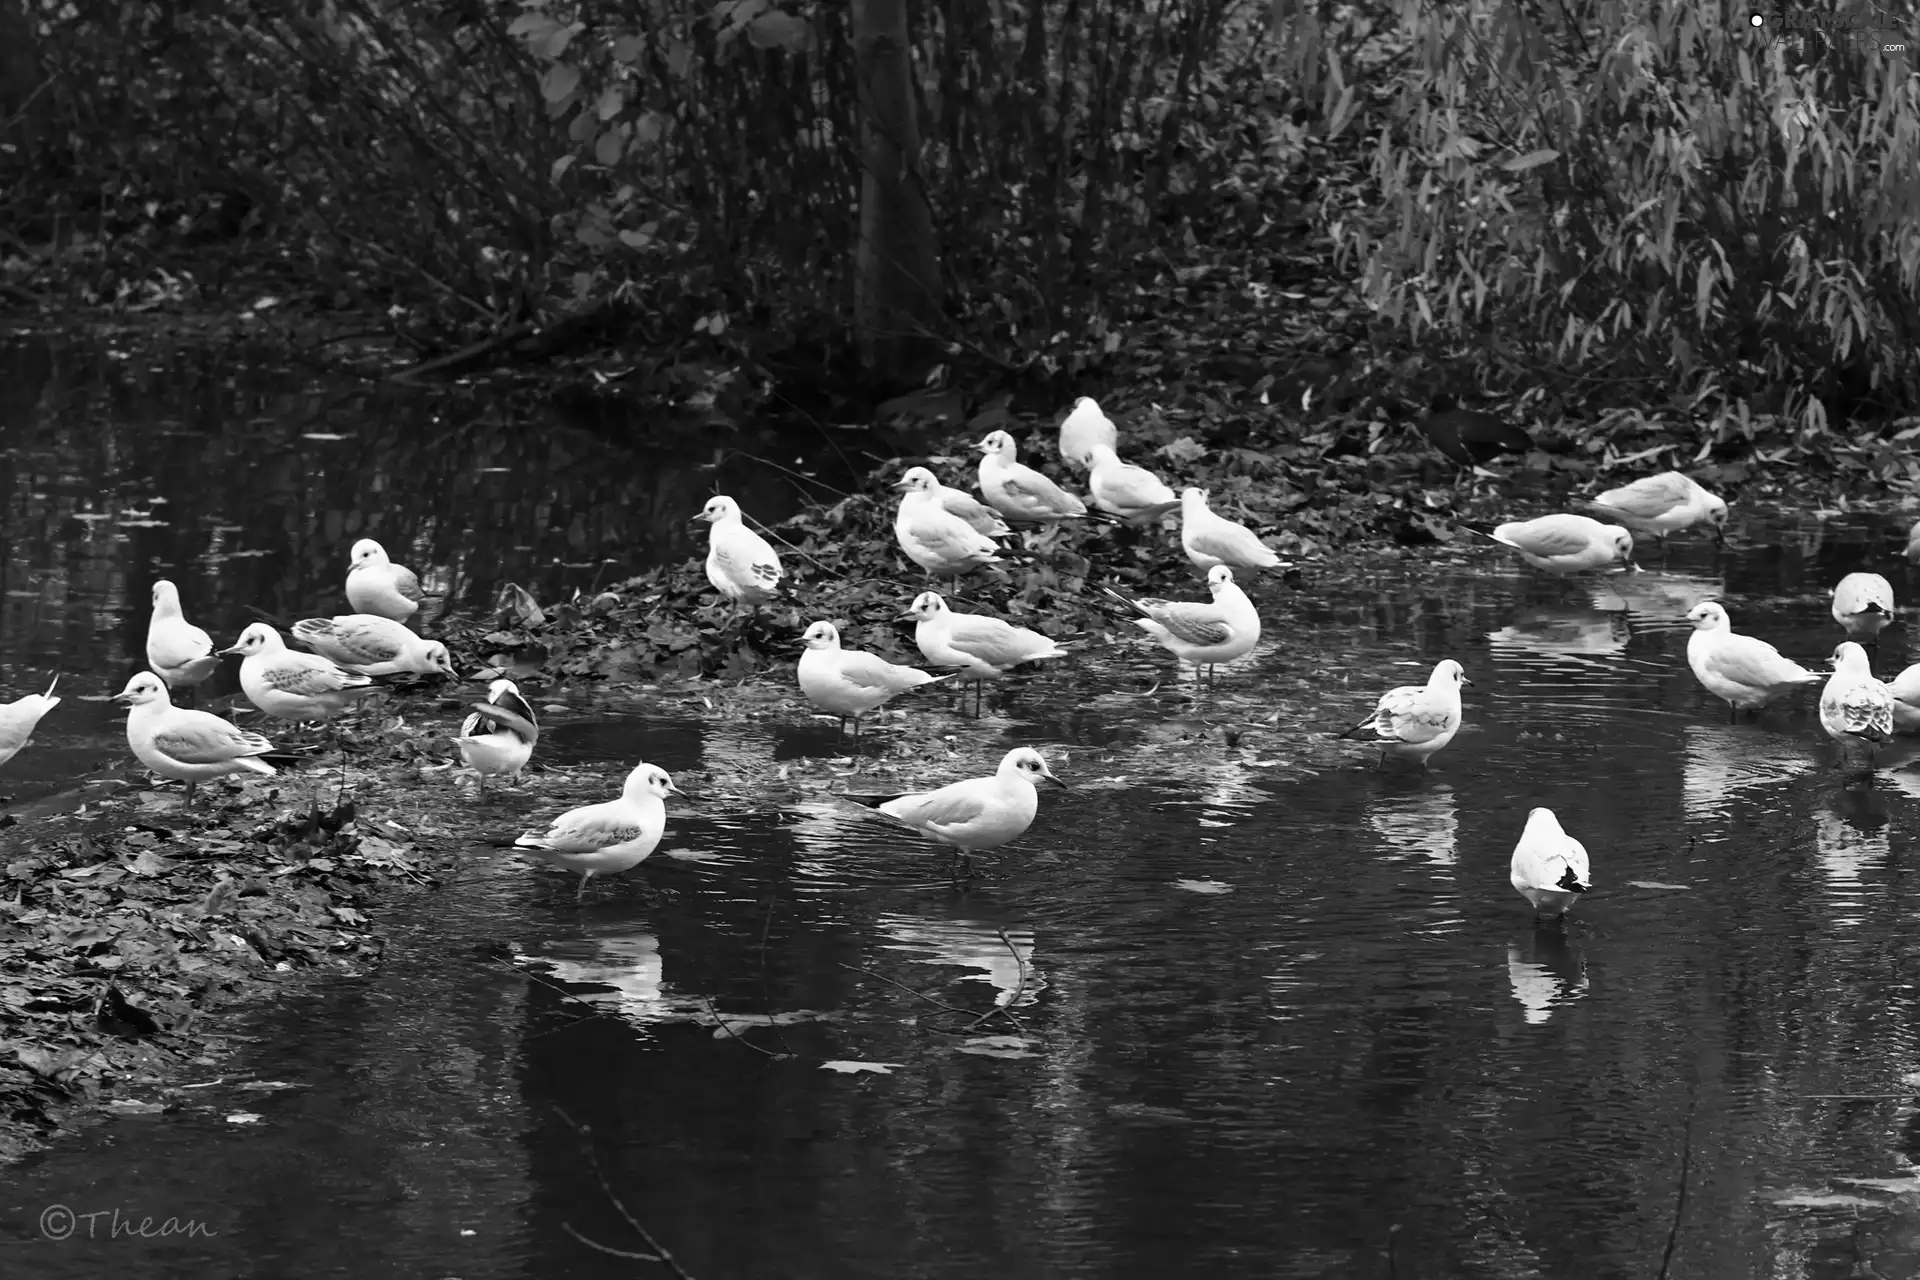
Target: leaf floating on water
{"type": "Point", "coordinates": [853, 1068]}
{"type": "Point", "coordinates": [1203, 886]}
{"type": "Point", "coordinates": [134, 1107]}
{"type": "Point", "coordinates": [269, 1086]}
{"type": "Point", "coordinates": [692, 855]}
{"type": "Point", "coordinates": [324, 435]}
{"type": "Point", "coordinates": [1899, 1186]}
{"type": "Point", "coordinates": [998, 1047]}
{"type": "Point", "coordinates": [763, 1019]}
{"type": "Point", "coordinates": [1820, 1200]}
{"type": "Point", "coordinates": [1655, 884]}
{"type": "Point", "coordinates": [243, 1117]}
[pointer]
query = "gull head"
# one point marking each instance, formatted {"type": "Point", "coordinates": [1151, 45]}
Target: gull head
{"type": "Point", "coordinates": [1219, 578]}
{"type": "Point", "coordinates": [822, 635]}
{"type": "Point", "coordinates": [1026, 763]}
{"type": "Point", "coordinates": [257, 638]}
{"type": "Point", "coordinates": [926, 606]}
{"type": "Point", "coordinates": [1193, 499]}
{"type": "Point", "coordinates": [145, 687]}
{"type": "Point", "coordinates": [166, 599]}
{"type": "Point", "coordinates": [649, 780]}
{"type": "Point", "coordinates": [1448, 673]}
{"type": "Point", "coordinates": [500, 687]}
{"type": "Point", "coordinates": [442, 660]}
{"type": "Point", "coordinates": [1709, 615]}
{"type": "Point", "coordinates": [917, 480]}
{"type": "Point", "coordinates": [1716, 511]}
{"type": "Point", "coordinates": [1622, 543]}
{"type": "Point", "coordinates": [366, 552]}
{"type": "Point", "coordinates": [720, 509]}
{"type": "Point", "coordinates": [1543, 821]}
{"type": "Point", "coordinates": [1850, 659]}
{"type": "Point", "coordinates": [998, 444]}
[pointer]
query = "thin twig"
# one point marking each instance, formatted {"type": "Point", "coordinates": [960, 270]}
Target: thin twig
{"type": "Point", "coordinates": [1857, 1097]}
{"type": "Point", "coordinates": [593, 1162]}
{"type": "Point", "coordinates": [1018, 987]}
{"type": "Point", "coordinates": [1680, 1200]}
{"type": "Point", "coordinates": [766, 927]}
{"type": "Point", "coordinates": [708, 1001]}
{"type": "Point", "coordinates": [797, 475]}
{"type": "Point", "coordinates": [595, 1245]}
{"type": "Point", "coordinates": [938, 1004]}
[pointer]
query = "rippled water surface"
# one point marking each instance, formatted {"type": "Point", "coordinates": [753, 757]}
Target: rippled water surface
{"type": "Point", "coordinates": [1278, 1014]}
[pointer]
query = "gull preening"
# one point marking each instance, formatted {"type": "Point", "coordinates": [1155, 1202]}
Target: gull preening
{"type": "Point", "coordinates": [1566, 543]}
{"type": "Point", "coordinates": [1416, 720]}
{"type": "Point", "coordinates": [373, 645]}
{"type": "Point", "coordinates": [977, 813]}
{"type": "Point", "coordinates": [1211, 539]}
{"type": "Point", "coordinates": [1132, 494]}
{"type": "Point", "coordinates": [741, 565]}
{"type": "Point", "coordinates": [1663, 504]}
{"type": "Point", "coordinates": [179, 652]}
{"type": "Point", "coordinates": [1083, 428]}
{"type": "Point", "coordinates": [958, 502]}
{"type": "Point", "coordinates": [498, 738]}
{"type": "Point", "coordinates": [19, 717]}
{"type": "Point", "coordinates": [1225, 628]}
{"type": "Point", "coordinates": [1019, 493]}
{"type": "Point", "coordinates": [186, 745]}
{"type": "Point", "coordinates": [608, 838]}
{"type": "Point", "coordinates": [1863, 605]}
{"type": "Point", "coordinates": [1745, 671]}
{"type": "Point", "coordinates": [290, 685]}
{"type": "Point", "coordinates": [932, 536]}
{"type": "Point", "coordinates": [849, 683]}
{"type": "Point", "coordinates": [982, 648]}
{"type": "Point", "coordinates": [1856, 710]}
{"type": "Point", "coordinates": [375, 584]}
{"type": "Point", "coordinates": [1549, 866]}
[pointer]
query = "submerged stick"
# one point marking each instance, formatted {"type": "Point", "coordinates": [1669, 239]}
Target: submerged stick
{"type": "Point", "coordinates": [593, 1162]}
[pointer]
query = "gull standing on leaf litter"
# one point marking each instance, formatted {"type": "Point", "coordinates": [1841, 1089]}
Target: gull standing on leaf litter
{"type": "Point", "coordinates": [1747, 672]}
{"type": "Point", "coordinates": [1221, 630]}
{"type": "Point", "coordinates": [1133, 494]}
{"type": "Point", "coordinates": [1863, 604]}
{"type": "Point", "coordinates": [18, 718]}
{"type": "Point", "coordinates": [181, 653]}
{"type": "Point", "coordinates": [1416, 720]}
{"type": "Point", "coordinates": [1856, 710]}
{"type": "Point", "coordinates": [933, 537]}
{"type": "Point", "coordinates": [1663, 504]}
{"type": "Point", "coordinates": [983, 648]}
{"type": "Point", "coordinates": [975, 814]}
{"type": "Point", "coordinates": [982, 518]}
{"type": "Point", "coordinates": [606, 839]}
{"type": "Point", "coordinates": [1019, 493]}
{"type": "Point", "coordinates": [289, 685]}
{"type": "Point", "coordinates": [373, 645]}
{"type": "Point", "coordinates": [376, 584]}
{"type": "Point", "coordinates": [1083, 428]}
{"type": "Point", "coordinates": [741, 565]}
{"type": "Point", "coordinates": [1211, 539]}
{"type": "Point", "coordinates": [498, 738]}
{"type": "Point", "coordinates": [1905, 689]}
{"type": "Point", "coordinates": [850, 683]}
{"type": "Point", "coordinates": [1566, 543]}
{"type": "Point", "coordinates": [1549, 866]}
{"type": "Point", "coordinates": [186, 745]}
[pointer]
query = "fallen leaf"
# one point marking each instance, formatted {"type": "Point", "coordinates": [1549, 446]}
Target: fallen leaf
{"type": "Point", "coordinates": [1203, 886]}
{"type": "Point", "coordinates": [998, 1047]}
{"type": "Point", "coordinates": [851, 1068]}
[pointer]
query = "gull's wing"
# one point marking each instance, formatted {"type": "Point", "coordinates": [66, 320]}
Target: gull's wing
{"type": "Point", "coordinates": [195, 737]}
{"type": "Point", "coordinates": [746, 557]}
{"type": "Point", "coordinates": [954, 805]}
{"type": "Point", "coordinates": [309, 677]}
{"type": "Point", "coordinates": [1409, 714]}
{"type": "Point", "coordinates": [1223, 539]}
{"type": "Point", "coordinates": [1753, 662]}
{"type": "Point", "coordinates": [946, 535]}
{"type": "Point", "coordinates": [502, 718]}
{"type": "Point", "coordinates": [1648, 498]}
{"type": "Point", "coordinates": [1193, 623]}
{"type": "Point", "coordinates": [1548, 541]}
{"type": "Point", "coordinates": [1024, 484]}
{"type": "Point", "coordinates": [590, 829]}
{"type": "Point", "coordinates": [994, 641]}
{"type": "Point", "coordinates": [353, 642]}
{"type": "Point", "coordinates": [406, 582]}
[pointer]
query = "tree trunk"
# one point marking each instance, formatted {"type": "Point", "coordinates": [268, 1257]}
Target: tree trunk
{"type": "Point", "coordinates": [897, 266]}
{"type": "Point", "coordinates": [21, 91]}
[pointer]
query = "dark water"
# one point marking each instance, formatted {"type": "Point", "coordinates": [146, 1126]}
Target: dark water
{"type": "Point", "coordinates": [1274, 1025]}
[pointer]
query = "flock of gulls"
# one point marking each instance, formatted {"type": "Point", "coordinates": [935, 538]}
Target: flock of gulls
{"type": "Point", "coordinates": [948, 533]}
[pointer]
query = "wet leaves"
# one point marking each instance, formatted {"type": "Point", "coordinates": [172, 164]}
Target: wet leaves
{"type": "Point", "coordinates": [846, 1067]}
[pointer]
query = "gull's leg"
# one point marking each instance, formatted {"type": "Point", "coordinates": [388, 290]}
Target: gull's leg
{"type": "Point", "coordinates": [581, 892]}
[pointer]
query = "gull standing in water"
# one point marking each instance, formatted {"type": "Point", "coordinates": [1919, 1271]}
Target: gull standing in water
{"type": "Point", "coordinates": [1210, 539]}
{"type": "Point", "coordinates": [1566, 543]}
{"type": "Point", "coordinates": [849, 683]}
{"type": "Point", "coordinates": [1663, 504]}
{"type": "Point", "coordinates": [932, 536]}
{"type": "Point", "coordinates": [1414, 721]}
{"type": "Point", "coordinates": [1222, 630]}
{"type": "Point", "coordinates": [376, 584]}
{"type": "Point", "coordinates": [179, 652]}
{"type": "Point", "coordinates": [1863, 605]}
{"type": "Point", "coordinates": [1083, 428]}
{"type": "Point", "coordinates": [1747, 672]}
{"type": "Point", "coordinates": [1549, 866]}
{"type": "Point", "coordinates": [606, 839]}
{"type": "Point", "coordinates": [983, 648]}
{"type": "Point", "coordinates": [975, 814]}
{"type": "Point", "coordinates": [1856, 710]}
{"type": "Point", "coordinates": [741, 565]}
{"type": "Point", "coordinates": [186, 745]}
{"type": "Point", "coordinates": [19, 717]}
{"type": "Point", "coordinates": [1019, 493]}
{"type": "Point", "coordinates": [373, 645]}
{"type": "Point", "coordinates": [499, 737]}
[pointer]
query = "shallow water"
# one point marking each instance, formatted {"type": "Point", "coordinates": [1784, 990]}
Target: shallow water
{"type": "Point", "coordinates": [1274, 1025]}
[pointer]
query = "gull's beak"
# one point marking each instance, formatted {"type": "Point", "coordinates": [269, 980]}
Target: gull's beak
{"type": "Point", "coordinates": [981, 447]}
{"type": "Point", "coordinates": [1056, 782]}
{"type": "Point", "coordinates": [221, 653]}
{"type": "Point", "coordinates": [677, 791]}
{"type": "Point", "coordinates": [125, 700]}
{"type": "Point", "coordinates": [901, 483]}
{"type": "Point", "coordinates": [1464, 680]}
{"type": "Point", "coordinates": [702, 518]}
{"type": "Point", "coordinates": [909, 614]}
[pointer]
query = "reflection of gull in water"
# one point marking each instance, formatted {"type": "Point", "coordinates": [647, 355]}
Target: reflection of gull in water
{"type": "Point", "coordinates": [1230, 790]}
{"type": "Point", "coordinates": [1850, 837]}
{"type": "Point", "coordinates": [1722, 760]}
{"type": "Point", "coordinates": [1545, 974]}
{"type": "Point", "coordinates": [1583, 632]}
{"type": "Point", "coordinates": [1421, 822]}
{"type": "Point", "coordinates": [970, 944]}
{"type": "Point", "coordinates": [1655, 601]}
{"type": "Point", "coordinates": [627, 966]}
{"type": "Point", "coordinates": [838, 843]}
